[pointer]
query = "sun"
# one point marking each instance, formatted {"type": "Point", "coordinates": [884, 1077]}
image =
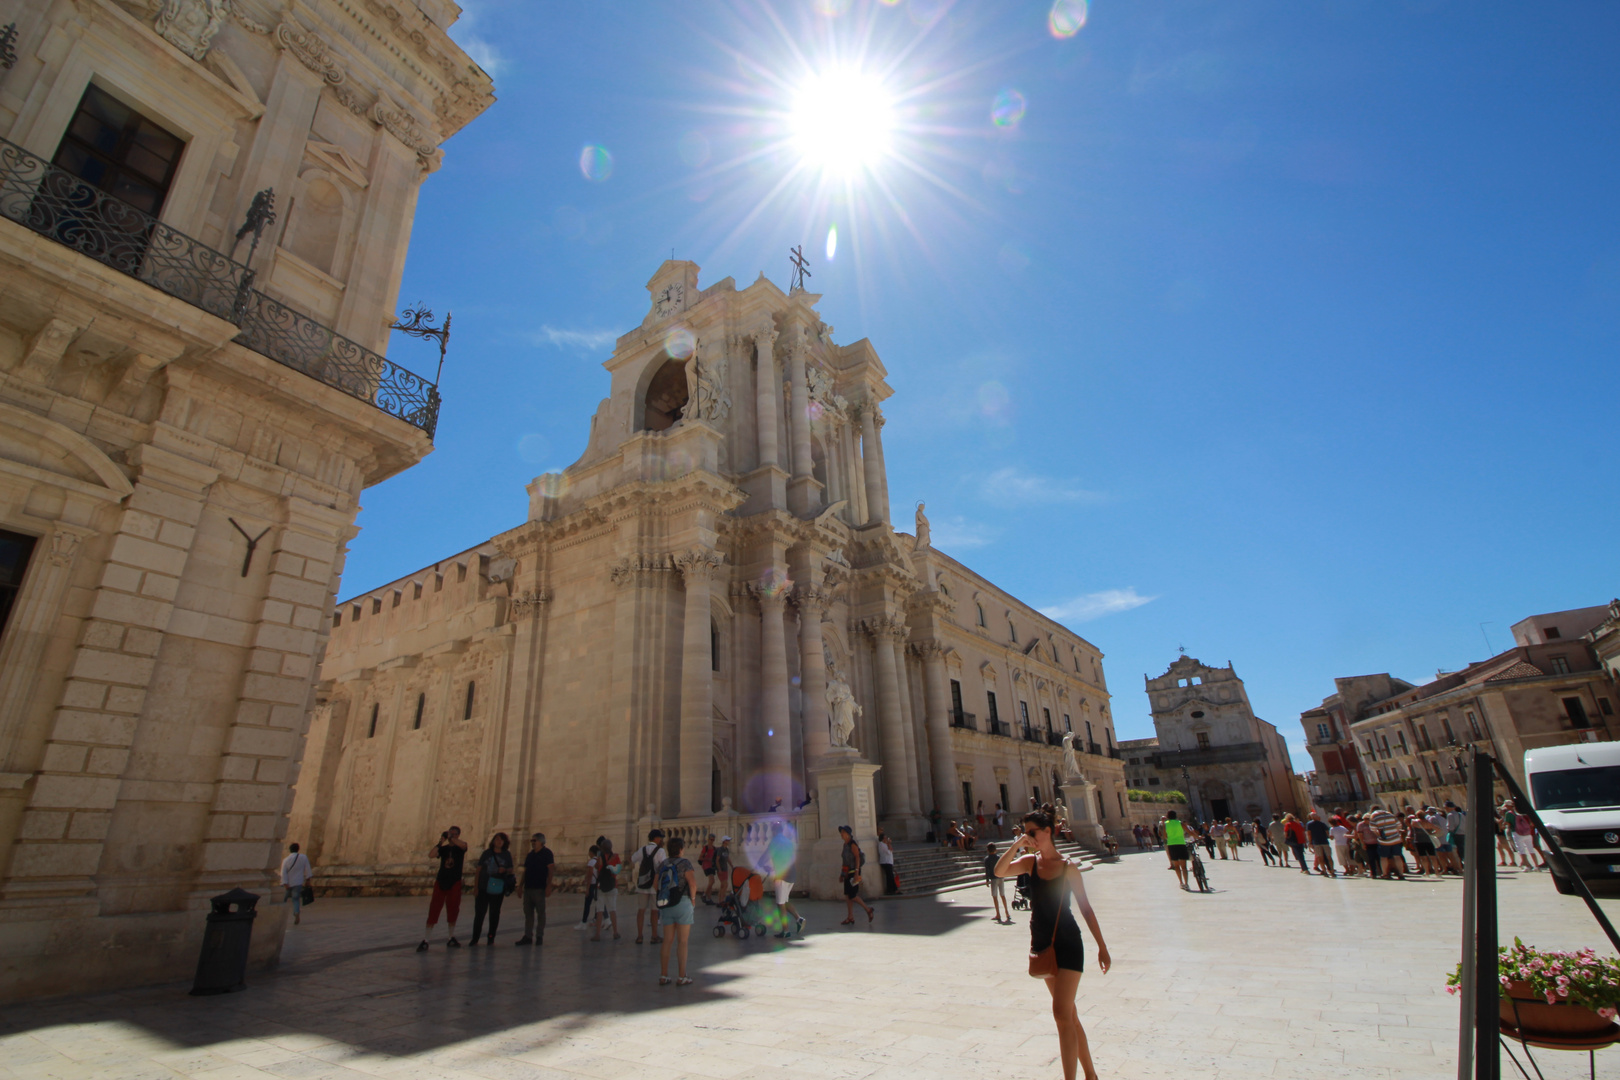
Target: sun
{"type": "Point", "coordinates": [843, 121]}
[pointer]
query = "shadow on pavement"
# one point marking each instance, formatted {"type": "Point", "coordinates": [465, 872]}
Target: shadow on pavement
{"type": "Point", "coordinates": [351, 977]}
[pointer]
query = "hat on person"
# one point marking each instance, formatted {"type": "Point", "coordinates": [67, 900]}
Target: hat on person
{"type": "Point", "coordinates": [846, 828]}
{"type": "Point", "coordinates": [725, 839]}
{"type": "Point", "coordinates": [656, 834]}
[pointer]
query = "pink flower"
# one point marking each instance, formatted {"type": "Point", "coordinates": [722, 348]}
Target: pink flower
{"type": "Point", "coordinates": [1552, 998]}
{"type": "Point", "coordinates": [1607, 1012]}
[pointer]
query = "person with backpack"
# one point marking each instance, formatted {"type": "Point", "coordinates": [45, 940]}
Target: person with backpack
{"type": "Point", "coordinates": [495, 879]}
{"type": "Point", "coordinates": [607, 888]}
{"type": "Point", "coordinates": [647, 859]}
{"type": "Point", "coordinates": [677, 884]}
{"type": "Point", "coordinates": [534, 888]}
{"type": "Point", "coordinates": [706, 864]}
{"type": "Point", "coordinates": [849, 875]}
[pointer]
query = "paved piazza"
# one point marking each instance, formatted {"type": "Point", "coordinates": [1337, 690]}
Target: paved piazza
{"type": "Point", "coordinates": [1274, 975]}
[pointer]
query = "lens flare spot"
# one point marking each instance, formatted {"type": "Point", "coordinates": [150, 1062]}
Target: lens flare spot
{"type": "Point", "coordinates": [693, 148]}
{"type": "Point", "coordinates": [1008, 109]}
{"type": "Point", "coordinates": [832, 242]}
{"type": "Point", "coordinates": [679, 342]}
{"type": "Point", "coordinates": [774, 583]}
{"type": "Point", "coordinates": [551, 485]}
{"type": "Point", "coordinates": [596, 163]}
{"type": "Point", "coordinates": [831, 8]}
{"type": "Point", "coordinates": [1066, 18]}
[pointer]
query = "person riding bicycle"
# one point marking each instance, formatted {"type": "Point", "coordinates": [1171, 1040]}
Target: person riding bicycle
{"type": "Point", "coordinates": [1175, 845]}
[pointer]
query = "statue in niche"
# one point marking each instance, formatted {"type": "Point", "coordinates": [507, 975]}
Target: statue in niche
{"type": "Point", "coordinates": [922, 527]}
{"type": "Point", "coordinates": [842, 708]}
{"type": "Point", "coordinates": [706, 394]}
{"type": "Point", "coordinates": [825, 332]}
{"type": "Point", "coordinates": [190, 25]}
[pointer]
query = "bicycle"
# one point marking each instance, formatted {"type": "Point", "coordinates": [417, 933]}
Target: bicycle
{"type": "Point", "coordinates": [1198, 868]}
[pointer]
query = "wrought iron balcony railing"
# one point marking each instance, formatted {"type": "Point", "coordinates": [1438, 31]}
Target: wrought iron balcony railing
{"type": "Point", "coordinates": [966, 720]}
{"type": "Point", "coordinates": [1000, 727]}
{"type": "Point", "coordinates": [58, 205]}
{"type": "Point", "coordinates": [1385, 786]}
{"type": "Point", "coordinates": [1054, 738]}
{"type": "Point", "coordinates": [1093, 748]}
{"type": "Point", "coordinates": [1210, 755]}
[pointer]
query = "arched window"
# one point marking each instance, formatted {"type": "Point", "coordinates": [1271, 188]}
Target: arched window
{"type": "Point", "coordinates": [421, 703]}
{"type": "Point", "coordinates": [981, 613]}
{"type": "Point", "coordinates": [1012, 630]}
{"type": "Point", "coordinates": [470, 689]}
{"type": "Point", "coordinates": [371, 732]}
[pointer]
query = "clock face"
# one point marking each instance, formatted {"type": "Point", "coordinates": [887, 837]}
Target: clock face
{"type": "Point", "coordinates": [669, 301]}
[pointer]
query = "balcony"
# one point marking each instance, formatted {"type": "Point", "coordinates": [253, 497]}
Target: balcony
{"type": "Point", "coordinates": [965, 720]}
{"type": "Point", "coordinates": [1385, 786]}
{"type": "Point", "coordinates": [1113, 752]}
{"type": "Point", "coordinates": [1210, 755]}
{"type": "Point", "coordinates": [1032, 735]}
{"type": "Point", "coordinates": [999, 727]}
{"type": "Point", "coordinates": [1054, 738]}
{"type": "Point", "coordinates": [1094, 748]}
{"type": "Point", "coordinates": [59, 206]}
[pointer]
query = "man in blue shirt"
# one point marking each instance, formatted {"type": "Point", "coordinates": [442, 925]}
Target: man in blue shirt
{"type": "Point", "coordinates": [534, 888]}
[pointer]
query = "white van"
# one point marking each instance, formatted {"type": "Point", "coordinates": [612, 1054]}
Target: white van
{"type": "Point", "coordinates": [1576, 790]}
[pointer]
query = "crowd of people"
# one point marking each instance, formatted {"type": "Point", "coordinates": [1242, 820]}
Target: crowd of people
{"type": "Point", "coordinates": [1388, 842]}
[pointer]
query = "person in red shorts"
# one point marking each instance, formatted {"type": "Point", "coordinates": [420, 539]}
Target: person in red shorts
{"type": "Point", "coordinates": [451, 851]}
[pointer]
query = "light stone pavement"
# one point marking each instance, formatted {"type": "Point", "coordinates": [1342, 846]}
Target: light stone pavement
{"type": "Point", "coordinates": [1272, 975]}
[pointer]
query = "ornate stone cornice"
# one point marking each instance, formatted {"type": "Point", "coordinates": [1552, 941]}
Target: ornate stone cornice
{"type": "Point", "coordinates": [880, 626]}
{"type": "Point", "coordinates": [641, 569]}
{"type": "Point", "coordinates": [928, 650]}
{"type": "Point", "coordinates": [811, 599]}
{"type": "Point", "coordinates": [529, 603]}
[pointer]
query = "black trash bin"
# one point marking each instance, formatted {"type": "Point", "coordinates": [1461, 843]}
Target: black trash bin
{"type": "Point", "coordinates": [222, 967]}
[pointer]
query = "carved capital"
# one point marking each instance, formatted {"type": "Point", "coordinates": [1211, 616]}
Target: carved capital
{"type": "Point", "coordinates": [929, 651]}
{"type": "Point", "coordinates": [811, 600]}
{"type": "Point", "coordinates": [698, 564]}
{"type": "Point", "coordinates": [311, 51]}
{"type": "Point", "coordinates": [883, 626]}
{"type": "Point", "coordinates": [64, 546]}
{"type": "Point", "coordinates": [772, 598]}
{"type": "Point", "coordinates": [641, 569]}
{"type": "Point", "coordinates": [404, 127]}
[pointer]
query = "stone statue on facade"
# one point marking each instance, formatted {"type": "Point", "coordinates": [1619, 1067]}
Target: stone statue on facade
{"type": "Point", "coordinates": [706, 394]}
{"type": "Point", "coordinates": [190, 25]}
{"type": "Point", "coordinates": [923, 539]}
{"type": "Point", "coordinates": [842, 709]}
{"type": "Point", "coordinates": [1071, 760]}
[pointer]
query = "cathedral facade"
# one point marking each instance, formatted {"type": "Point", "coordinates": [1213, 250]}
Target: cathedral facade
{"type": "Point", "coordinates": [712, 600]}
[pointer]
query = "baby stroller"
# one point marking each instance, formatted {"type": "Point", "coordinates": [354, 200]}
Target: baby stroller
{"type": "Point", "coordinates": [739, 909]}
{"type": "Point", "coordinates": [1021, 893]}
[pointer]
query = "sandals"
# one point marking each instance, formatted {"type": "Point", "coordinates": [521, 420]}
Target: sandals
{"type": "Point", "coordinates": [638, 939]}
{"type": "Point", "coordinates": [658, 941]}
{"type": "Point", "coordinates": [847, 922]}
{"type": "Point", "coordinates": [684, 981]}
{"type": "Point", "coordinates": [663, 980]}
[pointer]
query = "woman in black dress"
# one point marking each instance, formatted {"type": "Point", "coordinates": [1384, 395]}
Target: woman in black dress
{"type": "Point", "coordinates": [1053, 879]}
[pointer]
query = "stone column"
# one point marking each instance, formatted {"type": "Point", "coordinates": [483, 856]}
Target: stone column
{"type": "Point", "coordinates": [916, 782]}
{"type": "Point", "coordinates": [799, 407]}
{"type": "Point", "coordinates": [812, 602]}
{"type": "Point", "coordinates": [776, 738]}
{"type": "Point", "coordinates": [877, 508]}
{"type": "Point", "coordinates": [882, 469]}
{"type": "Point", "coordinates": [697, 565]}
{"type": "Point", "coordinates": [765, 395]}
{"type": "Point", "coordinates": [941, 754]}
{"type": "Point", "coordinates": [898, 799]}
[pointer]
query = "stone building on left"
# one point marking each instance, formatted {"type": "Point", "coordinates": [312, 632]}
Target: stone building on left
{"type": "Point", "coordinates": [193, 394]}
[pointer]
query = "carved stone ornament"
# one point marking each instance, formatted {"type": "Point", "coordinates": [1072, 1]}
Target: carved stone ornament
{"type": "Point", "coordinates": [641, 569]}
{"type": "Point", "coordinates": [403, 126]}
{"type": "Point", "coordinates": [922, 527]}
{"type": "Point", "coordinates": [530, 602]}
{"type": "Point", "coordinates": [64, 545]}
{"type": "Point", "coordinates": [842, 708]}
{"type": "Point", "coordinates": [706, 394]}
{"type": "Point", "coordinates": [699, 563]}
{"type": "Point", "coordinates": [311, 51]}
{"type": "Point", "coordinates": [810, 599]}
{"type": "Point", "coordinates": [190, 25]}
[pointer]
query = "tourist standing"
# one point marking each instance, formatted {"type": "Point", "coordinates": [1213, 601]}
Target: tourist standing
{"type": "Point", "coordinates": [1339, 833]}
{"type": "Point", "coordinates": [1392, 858]}
{"type": "Point", "coordinates": [646, 861]}
{"type": "Point", "coordinates": [1175, 846]}
{"type": "Point", "coordinates": [677, 883]}
{"type": "Point", "coordinates": [1217, 832]}
{"type": "Point", "coordinates": [1277, 833]}
{"type": "Point", "coordinates": [706, 864]}
{"type": "Point", "coordinates": [1297, 838]}
{"type": "Point", "coordinates": [1234, 838]}
{"type": "Point", "coordinates": [607, 889]}
{"type": "Point", "coordinates": [590, 883]}
{"type": "Point", "coordinates": [1524, 832]}
{"type": "Point", "coordinates": [722, 866]}
{"type": "Point", "coordinates": [998, 885]}
{"type": "Point", "coordinates": [1422, 844]}
{"type": "Point", "coordinates": [493, 881]}
{"type": "Point", "coordinates": [536, 885]}
{"type": "Point", "coordinates": [295, 871]}
{"type": "Point", "coordinates": [979, 820]}
{"type": "Point", "coordinates": [1001, 823]}
{"type": "Point", "coordinates": [891, 884]}
{"type": "Point", "coordinates": [849, 875]}
{"type": "Point", "coordinates": [1054, 933]}
{"type": "Point", "coordinates": [1457, 832]}
{"type": "Point", "coordinates": [451, 851]}
{"type": "Point", "coordinates": [1317, 830]}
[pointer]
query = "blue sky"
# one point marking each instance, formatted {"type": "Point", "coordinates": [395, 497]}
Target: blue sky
{"type": "Point", "coordinates": [1283, 332]}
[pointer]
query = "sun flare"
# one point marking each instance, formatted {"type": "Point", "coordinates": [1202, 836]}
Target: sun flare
{"type": "Point", "coordinates": [843, 121]}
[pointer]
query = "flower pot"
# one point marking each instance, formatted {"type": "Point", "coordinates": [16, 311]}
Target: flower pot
{"type": "Point", "coordinates": [1535, 1016]}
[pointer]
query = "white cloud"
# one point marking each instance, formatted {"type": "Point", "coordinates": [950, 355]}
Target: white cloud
{"type": "Point", "coordinates": [1012, 486]}
{"type": "Point", "coordinates": [589, 340]}
{"type": "Point", "coordinates": [1096, 605]}
{"type": "Point", "coordinates": [467, 33]}
{"type": "Point", "coordinates": [959, 534]}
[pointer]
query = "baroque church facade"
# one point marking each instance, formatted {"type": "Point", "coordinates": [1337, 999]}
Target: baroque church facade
{"type": "Point", "coordinates": [707, 604]}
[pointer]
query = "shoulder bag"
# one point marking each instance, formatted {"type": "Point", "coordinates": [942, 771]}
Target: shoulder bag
{"type": "Point", "coordinates": [1043, 964]}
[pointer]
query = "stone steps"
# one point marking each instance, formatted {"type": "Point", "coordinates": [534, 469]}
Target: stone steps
{"type": "Point", "coordinates": [928, 869]}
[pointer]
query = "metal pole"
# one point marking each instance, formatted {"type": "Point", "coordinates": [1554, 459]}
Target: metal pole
{"type": "Point", "coordinates": [1476, 833]}
{"type": "Point", "coordinates": [1487, 1019]}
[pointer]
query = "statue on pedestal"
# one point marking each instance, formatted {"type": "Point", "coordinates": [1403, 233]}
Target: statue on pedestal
{"type": "Point", "coordinates": [842, 709]}
{"type": "Point", "coordinates": [922, 527]}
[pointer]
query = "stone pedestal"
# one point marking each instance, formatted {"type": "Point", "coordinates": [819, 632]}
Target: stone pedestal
{"type": "Point", "coordinates": [1080, 795]}
{"type": "Point", "coordinates": [844, 796]}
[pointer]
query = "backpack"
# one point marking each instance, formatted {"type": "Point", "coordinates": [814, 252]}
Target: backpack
{"type": "Point", "coordinates": [646, 872]}
{"type": "Point", "coordinates": [606, 878]}
{"type": "Point", "coordinates": [671, 884]}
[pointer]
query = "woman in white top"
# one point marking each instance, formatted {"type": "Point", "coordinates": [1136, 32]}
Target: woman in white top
{"type": "Point", "coordinates": [295, 872]}
{"type": "Point", "coordinates": [891, 884]}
